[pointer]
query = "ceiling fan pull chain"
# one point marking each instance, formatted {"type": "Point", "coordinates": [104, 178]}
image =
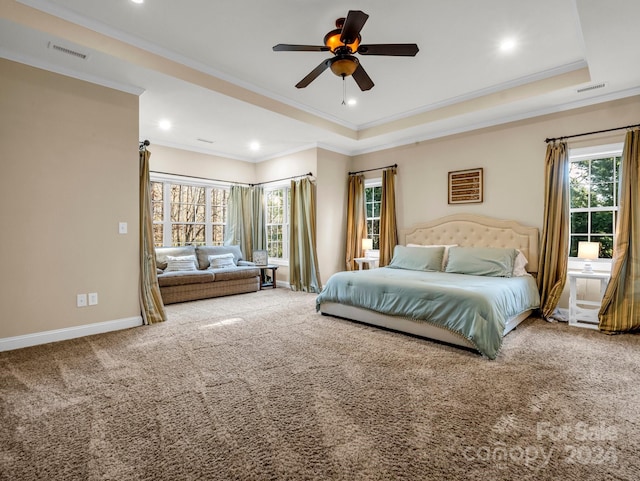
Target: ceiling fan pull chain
{"type": "Point", "coordinates": [344, 91]}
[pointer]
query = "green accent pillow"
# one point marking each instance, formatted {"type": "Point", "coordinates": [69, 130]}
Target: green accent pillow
{"type": "Point", "coordinates": [481, 261]}
{"type": "Point", "coordinates": [417, 258]}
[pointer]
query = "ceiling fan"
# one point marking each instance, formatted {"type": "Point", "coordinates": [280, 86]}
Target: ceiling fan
{"type": "Point", "coordinates": [343, 42]}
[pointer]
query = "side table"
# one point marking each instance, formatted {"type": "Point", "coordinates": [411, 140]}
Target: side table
{"type": "Point", "coordinates": [372, 262]}
{"type": "Point", "coordinates": [584, 313]}
{"type": "Point", "coordinates": [264, 278]}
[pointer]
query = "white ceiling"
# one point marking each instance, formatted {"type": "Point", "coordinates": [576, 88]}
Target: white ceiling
{"type": "Point", "coordinates": [208, 66]}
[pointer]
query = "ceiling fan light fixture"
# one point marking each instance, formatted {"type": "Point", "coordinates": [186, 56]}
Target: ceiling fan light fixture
{"type": "Point", "coordinates": [344, 43]}
{"type": "Point", "coordinates": [344, 66]}
{"type": "Point", "coordinates": [333, 42]}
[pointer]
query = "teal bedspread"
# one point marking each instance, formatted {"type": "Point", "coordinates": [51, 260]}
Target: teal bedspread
{"type": "Point", "coordinates": [475, 307]}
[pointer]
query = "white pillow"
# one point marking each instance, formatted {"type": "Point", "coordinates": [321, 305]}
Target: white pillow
{"type": "Point", "coordinates": [181, 263]}
{"type": "Point", "coordinates": [519, 265]}
{"type": "Point", "coordinates": [445, 258]}
{"type": "Point", "coordinates": [221, 260]}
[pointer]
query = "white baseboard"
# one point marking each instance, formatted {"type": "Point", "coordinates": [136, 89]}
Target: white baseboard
{"type": "Point", "coordinates": [27, 340]}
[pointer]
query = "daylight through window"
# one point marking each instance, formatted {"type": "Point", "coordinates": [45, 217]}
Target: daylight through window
{"type": "Point", "coordinates": [373, 201]}
{"type": "Point", "coordinates": [188, 213]}
{"type": "Point", "coordinates": [593, 192]}
{"type": "Point", "coordinates": [277, 222]}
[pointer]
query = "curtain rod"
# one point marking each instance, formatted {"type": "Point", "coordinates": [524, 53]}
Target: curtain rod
{"type": "Point", "coordinates": [280, 180]}
{"type": "Point", "coordinates": [142, 145]}
{"type": "Point", "coordinates": [199, 178]}
{"type": "Point", "coordinates": [591, 133]}
{"type": "Point", "coordinates": [228, 181]}
{"type": "Point", "coordinates": [370, 170]}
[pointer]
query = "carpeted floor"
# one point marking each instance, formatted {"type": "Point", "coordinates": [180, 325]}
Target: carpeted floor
{"type": "Point", "coordinates": [261, 387]}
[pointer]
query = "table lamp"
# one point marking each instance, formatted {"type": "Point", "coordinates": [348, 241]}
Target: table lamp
{"type": "Point", "coordinates": [367, 245]}
{"type": "Point", "coordinates": [588, 251]}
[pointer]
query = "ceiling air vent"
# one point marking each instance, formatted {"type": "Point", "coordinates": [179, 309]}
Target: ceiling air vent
{"type": "Point", "coordinates": [591, 87]}
{"type": "Point", "coordinates": [68, 51]}
{"type": "Point", "coordinates": [205, 140]}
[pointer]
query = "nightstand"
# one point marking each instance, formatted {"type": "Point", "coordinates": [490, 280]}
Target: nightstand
{"type": "Point", "coordinates": [372, 262]}
{"type": "Point", "coordinates": [584, 313]}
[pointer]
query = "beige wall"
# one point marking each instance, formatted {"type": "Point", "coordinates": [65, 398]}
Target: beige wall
{"type": "Point", "coordinates": [299, 163]}
{"type": "Point", "coordinates": [512, 156]}
{"type": "Point", "coordinates": [184, 162]}
{"type": "Point", "coordinates": [333, 170]}
{"type": "Point", "coordinates": [69, 158]}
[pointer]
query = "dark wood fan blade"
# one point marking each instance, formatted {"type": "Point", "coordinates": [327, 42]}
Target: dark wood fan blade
{"type": "Point", "coordinates": [283, 47]}
{"type": "Point", "coordinates": [314, 74]}
{"type": "Point", "coordinates": [396, 49]}
{"type": "Point", "coordinates": [352, 25]}
{"type": "Point", "coordinates": [362, 79]}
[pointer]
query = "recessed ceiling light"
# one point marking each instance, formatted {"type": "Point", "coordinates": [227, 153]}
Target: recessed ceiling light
{"type": "Point", "coordinates": [137, 1]}
{"type": "Point", "coordinates": [255, 146]}
{"type": "Point", "coordinates": [351, 102]}
{"type": "Point", "coordinates": [508, 44]}
{"type": "Point", "coordinates": [164, 124]}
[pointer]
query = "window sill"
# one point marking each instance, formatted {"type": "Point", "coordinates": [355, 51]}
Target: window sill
{"type": "Point", "coordinates": [279, 262]}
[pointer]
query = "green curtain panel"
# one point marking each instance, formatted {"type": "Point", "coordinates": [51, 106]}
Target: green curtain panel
{"type": "Point", "coordinates": [258, 217]}
{"type": "Point", "coordinates": [246, 225]}
{"type": "Point", "coordinates": [356, 220]}
{"type": "Point", "coordinates": [388, 227]}
{"type": "Point", "coordinates": [150, 298]}
{"type": "Point", "coordinates": [620, 311]}
{"type": "Point", "coordinates": [238, 228]}
{"type": "Point", "coordinates": [304, 274]}
{"type": "Point", "coordinates": [554, 245]}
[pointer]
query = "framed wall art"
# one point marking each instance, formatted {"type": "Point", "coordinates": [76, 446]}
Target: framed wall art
{"type": "Point", "coordinates": [465, 186]}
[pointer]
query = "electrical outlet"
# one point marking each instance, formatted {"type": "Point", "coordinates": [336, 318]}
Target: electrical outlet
{"type": "Point", "coordinates": [93, 298]}
{"type": "Point", "coordinates": [81, 300]}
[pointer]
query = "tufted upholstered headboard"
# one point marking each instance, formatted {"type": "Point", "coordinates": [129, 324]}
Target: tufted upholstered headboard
{"type": "Point", "coordinates": [468, 230]}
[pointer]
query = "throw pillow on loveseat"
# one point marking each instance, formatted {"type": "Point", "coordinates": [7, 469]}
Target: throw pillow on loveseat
{"type": "Point", "coordinates": [238, 277]}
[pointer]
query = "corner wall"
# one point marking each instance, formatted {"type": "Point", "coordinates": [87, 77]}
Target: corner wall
{"type": "Point", "coordinates": [298, 163]}
{"type": "Point", "coordinates": [69, 175]}
{"type": "Point", "coordinates": [331, 212]}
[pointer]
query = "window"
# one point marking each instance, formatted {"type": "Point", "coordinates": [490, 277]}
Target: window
{"type": "Point", "coordinates": [593, 195]}
{"type": "Point", "coordinates": [372, 203]}
{"type": "Point", "coordinates": [157, 206]}
{"type": "Point", "coordinates": [277, 222]}
{"type": "Point", "coordinates": [219, 199]}
{"type": "Point", "coordinates": [187, 207]}
{"type": "Point", "coordinates": [188, 213]}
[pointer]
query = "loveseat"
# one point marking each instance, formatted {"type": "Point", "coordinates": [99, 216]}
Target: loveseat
{"type": "Point", "coordinates": [189, 273]}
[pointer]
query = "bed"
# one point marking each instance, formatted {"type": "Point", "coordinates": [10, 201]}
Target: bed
{"type": "Point", "coordinates": [446, 302]}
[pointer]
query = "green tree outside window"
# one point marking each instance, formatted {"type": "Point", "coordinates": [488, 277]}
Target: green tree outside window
{"type": "Point", "coordinates": [593, 192]}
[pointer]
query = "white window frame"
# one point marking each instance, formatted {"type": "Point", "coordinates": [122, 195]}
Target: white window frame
{"type": "Point", "coordinates": [284, 260]}
{"type": "Point", "coordinates": [590, 153]}
{"type": "Point", "coordinates": [368, 183]}
{"type": "Point", "coordinates": [167, 180]}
